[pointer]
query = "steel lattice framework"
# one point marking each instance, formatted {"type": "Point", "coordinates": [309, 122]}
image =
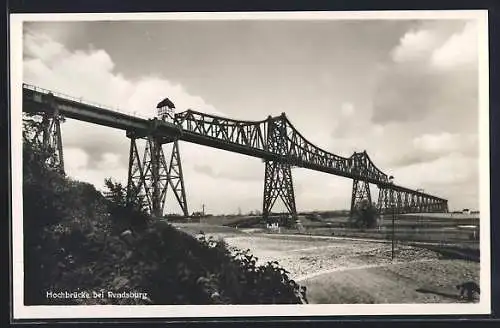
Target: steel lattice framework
{"type": "Point", "coordinates": [275, 140]}
{"type": "Point", "coordinates": [408, 202]}
{"type": "Point", "coordinates": [294, 149]}
{"type": "Point", "coordinates": [52, 140]}
{"type": "Point", "coordinates": [278, 175]}
{"type": "Point", "coordinates": [360, 192]}
{"type": "Point", "coordinates": [282, 146]}
{"type": "Point", "coordinates": [149, 178]}
{"type": "Point", "coordinates": [48, 133]}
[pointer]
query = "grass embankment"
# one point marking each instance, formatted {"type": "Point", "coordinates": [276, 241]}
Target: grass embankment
{"type": "Point", "coordinates": [77, 240]}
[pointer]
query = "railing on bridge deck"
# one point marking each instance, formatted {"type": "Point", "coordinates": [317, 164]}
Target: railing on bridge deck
{"type": "Point", "coordinates": [81, 100]}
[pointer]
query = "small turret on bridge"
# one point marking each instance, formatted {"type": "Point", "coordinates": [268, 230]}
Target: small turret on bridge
{"type": "Point", "coordinates": [166, 110]}
{"type": "Point", "coordinates": [275, 140]}
{"type": "Point", "coordinates": [149, 178]}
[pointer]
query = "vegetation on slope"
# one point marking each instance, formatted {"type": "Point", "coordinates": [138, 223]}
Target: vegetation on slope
{"type": "Point", "coordinates": [77, 240]}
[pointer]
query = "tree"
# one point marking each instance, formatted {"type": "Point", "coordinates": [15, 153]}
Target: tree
{"type": "Point", "coordinates": [365, 215]}
{"type": "Point", "coordinates": [126, 213]}
{"type": "Point", "coordinates": [116, 192]}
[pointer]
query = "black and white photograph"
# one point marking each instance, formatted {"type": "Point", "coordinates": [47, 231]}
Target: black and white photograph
{"type": "Point", "coordinates": [250, 164]}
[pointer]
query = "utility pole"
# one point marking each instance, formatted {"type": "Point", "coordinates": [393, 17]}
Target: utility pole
{"type": "Point", "coordinates": [203, 209]}
{"type": "Point", "coordinates": [393, 217]}
{"type": "Point", "coordinates": [393, 205]}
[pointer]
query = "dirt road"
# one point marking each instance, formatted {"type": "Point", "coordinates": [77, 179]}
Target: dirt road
{"type": "Point", "coordinates": [356, 271]}
{"type": "Point", "coordinates": [426, 281]}
{"type": "Point", "coordinates": [352, 270]}
{"type": "Point", "coordinates": [306, 256]}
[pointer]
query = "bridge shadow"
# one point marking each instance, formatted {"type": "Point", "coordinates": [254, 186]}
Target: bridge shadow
{"type": "Point", "coordinates": [443, 294]}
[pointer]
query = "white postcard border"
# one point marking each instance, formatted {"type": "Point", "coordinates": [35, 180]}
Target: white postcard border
{"type": "Point", "coordinates": [198, 311]}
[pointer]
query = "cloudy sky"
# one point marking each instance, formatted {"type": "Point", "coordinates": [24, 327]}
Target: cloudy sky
{"type": "Point", "coordinates": [406, 91]}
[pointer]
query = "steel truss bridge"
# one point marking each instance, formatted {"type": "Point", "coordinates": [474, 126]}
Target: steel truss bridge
{"type": "Point", "coordinates": [275, 140]}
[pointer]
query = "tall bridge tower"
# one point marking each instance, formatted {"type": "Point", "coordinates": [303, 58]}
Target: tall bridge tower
{"type": "Point", "coordinates": [149, 178]}
{"type": "Point", "coordinates": [48, 132]}
{"type": "Point", "coordinates": [278, 175]}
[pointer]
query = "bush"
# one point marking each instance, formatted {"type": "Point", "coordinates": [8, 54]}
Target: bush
{"type": "Point", "coordinates": [125, 214]}
{"type": "Point", "coordinates": [75, 239]}
{"type": "Point", "coordinates": [364, 216]}
{"type": "Point", "coordinates": [178, 269]}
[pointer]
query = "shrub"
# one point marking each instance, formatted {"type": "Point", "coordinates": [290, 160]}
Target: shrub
{"type": "Point", "coordinates": [76, 239]}
{"type": "Point", "coordinates": [64, 227]}
{"type": "Point", "coordinates": [364, 216]}
{"type": "Point", "coordinates": [125, 213]}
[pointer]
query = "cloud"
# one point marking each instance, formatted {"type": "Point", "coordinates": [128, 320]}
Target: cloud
{"type": "Point", "coordinates": [221, 164]}
{"type": "Point", "coordinates": [347, 109]}
{"type": "Point", "coordinates": [416, 45]}
{"type": "Point", "coordinates": [231, 173]}
{"type": "Point", "coordinates": [353, 123]}
{"type": "Point", "coordinates": [430, 147]}
{"type": "Point", "coordinates": [433, 72]}
{"type": "Point", "coordinates": [446, 142]}
{"type": "Point", "coordinates": [75, 158]}
{"type": "Point", "coordinates": [459, 50]}
{"type": "Point", "coordinates": [451, 169]}
{"type": "Point", "coordinates": [219, 196]}
{"type": "Point", "coordinates": [90, 75]}
{"type": "Point", "coordinates": [43, 47]}
{"type": "Point", "coordinates": [97, 176]}
{"type": "Point", "coordinates": [109, 161]}
{"type": "Point", "coordinates": [406, 93]}
{"type": "Point", "coordinates": [205, 169]}
{"type": "Point", "coordinates": [95, 141]}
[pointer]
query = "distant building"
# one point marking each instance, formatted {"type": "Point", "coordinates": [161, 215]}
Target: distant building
{"type": "Point", "coordinates": [465, 211]}
{"type": "Point", "coordinates": [273, 227]}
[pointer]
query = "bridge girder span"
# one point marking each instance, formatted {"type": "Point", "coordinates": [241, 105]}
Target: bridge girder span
{"type": "Point", "coordinates": [275, 140]}
{"type": "Point", "coordinates": [407, 202]}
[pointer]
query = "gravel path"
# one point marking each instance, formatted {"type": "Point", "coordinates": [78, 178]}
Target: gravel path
{"type": "Point", "coordinates": [305, 257]}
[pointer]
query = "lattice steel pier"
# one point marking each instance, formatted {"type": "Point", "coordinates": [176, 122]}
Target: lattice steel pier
{"type": "Point", "coordinates": [150, 177]}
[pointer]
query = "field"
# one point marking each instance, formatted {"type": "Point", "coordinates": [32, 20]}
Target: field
{"type": "Point", "coordinates": [353, 270]}
{"type": "Point", "coordinates": [444, 228]}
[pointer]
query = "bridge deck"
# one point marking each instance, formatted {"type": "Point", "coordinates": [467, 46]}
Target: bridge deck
{"type": "Point", "coordinates": [41, 100]}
